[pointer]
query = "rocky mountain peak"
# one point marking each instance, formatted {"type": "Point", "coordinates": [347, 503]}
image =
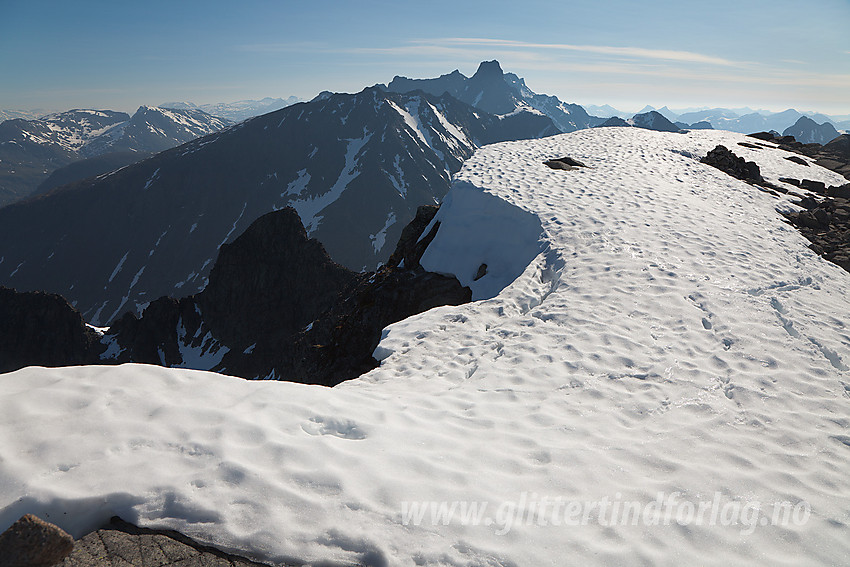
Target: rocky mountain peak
{"type": "Point", "coordinates": [488, 69]}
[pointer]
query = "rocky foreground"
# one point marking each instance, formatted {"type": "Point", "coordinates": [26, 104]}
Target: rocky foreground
{"type": "Point", "coordinates": [32, 542]}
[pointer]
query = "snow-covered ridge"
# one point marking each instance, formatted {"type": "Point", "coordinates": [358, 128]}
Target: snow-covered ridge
{"type": "Point", "coordinates": [644, 349]}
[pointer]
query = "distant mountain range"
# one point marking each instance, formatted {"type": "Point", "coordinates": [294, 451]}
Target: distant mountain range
{"type": "Point", "coordinates": [742, 120]}
{"type": "Point", "coordinates": [6, 114]}
{"type": "Point", "coordinates": [236, 111]}
{"type": "Point", "coordinates": [32, 150]}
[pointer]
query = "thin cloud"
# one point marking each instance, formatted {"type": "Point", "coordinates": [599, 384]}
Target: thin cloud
{"type": "Point", "coordinates": [457, 45]}
{"type": "Point", "coordinates": [631, 52]}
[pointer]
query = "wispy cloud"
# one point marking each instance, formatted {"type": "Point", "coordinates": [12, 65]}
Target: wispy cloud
{"type": "Point", "coordinates": [630, 52]}
{"type": "Point", "coordinates": [456, 45]}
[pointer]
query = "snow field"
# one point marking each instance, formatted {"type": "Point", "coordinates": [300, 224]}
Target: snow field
{"type": "Point", "coordinates": [649, 326]}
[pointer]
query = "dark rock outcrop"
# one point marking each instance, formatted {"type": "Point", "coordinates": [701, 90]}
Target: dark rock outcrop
{"type": "Point", "coordinates": [284, 310]}
{"type": "Point", "coordinates": [834, 155]}
{"type": "Point", "coordinates": [276, 307]}
{"type": "Point", "coordinates": [723, 159]}
{"type": "Point", "coordinates": [43, 329]}
{"type": "Point", "coordinates": [413, 241]}
{"type": "Point", "coordinates": [826, 224]}
{"type": "Point", "coordinates": [798, 160]}
{"type": "Point", "coordinates": [566, 163]}
{"type": "Point", "coordinates": [337, 343]}
{"type": "Point", "coordinates": [121, 543]}
{"type": "Point", "coordinates": [265, 287]}
{"type": "Point", "coordinates": [32, 542]}
{"type": "Point", "coordinates": [272, 278]}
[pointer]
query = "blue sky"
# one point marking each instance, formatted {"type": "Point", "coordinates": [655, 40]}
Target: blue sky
{"type": "Point", "coordinates": [771, 54]}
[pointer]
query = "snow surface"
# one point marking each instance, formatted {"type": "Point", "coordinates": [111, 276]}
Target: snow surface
{"type": "Point", "coordinates": [671, 335]}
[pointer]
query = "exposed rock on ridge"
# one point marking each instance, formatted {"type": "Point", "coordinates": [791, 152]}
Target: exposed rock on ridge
{"type": "Point", "coordinates": [834, 155]}
{"type": "Point", "coordinates": [43, 329]}
{"type": "Point", "coordinates": [824, 222]}
{"type": "Point", "coordinates": [276, 307]}
{"type": "Point", "coordinates": [739, 168]}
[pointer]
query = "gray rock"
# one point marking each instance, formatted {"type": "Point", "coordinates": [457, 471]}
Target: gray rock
{"type": "Point", "coordinates": [32, 542]}
{"type": "Point", "coordinates": [567, 163]}
{"type": "Point", "coordinates": [818, 187]}
{"type": "Point", "coordinates": [724, 160]}
{"type": "Point", "coordinates": [798, 160]}
{"type": "Point", "coordinates": [842, 191]}
{"type": "Point", "coordinates": [125, 545]}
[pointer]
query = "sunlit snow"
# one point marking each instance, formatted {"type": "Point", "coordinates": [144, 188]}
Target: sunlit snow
{"type": "Point", "coordinates": [668, 342]}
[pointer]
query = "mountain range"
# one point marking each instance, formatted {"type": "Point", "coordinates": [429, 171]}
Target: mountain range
{"type": "Point", "coordinates": [32, 150]}
{"type": "Point", "coordinates": [354, 167]}
{"type": "Point", "coordinates": [6, 114]}
{"type": "Point", "coordinates": [742, 120]}
{"type": "Point", "coordinates": [499, 93]}
{"type": "Point", "coordinates": [236, 111]}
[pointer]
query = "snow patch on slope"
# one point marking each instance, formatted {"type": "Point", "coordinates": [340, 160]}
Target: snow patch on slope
{"type": "Point", "coordinates": [119, 266]}
{"type": "Point", "coordinates": [380, 238]}
{"type": "Point", "coordinates": [309, 208]}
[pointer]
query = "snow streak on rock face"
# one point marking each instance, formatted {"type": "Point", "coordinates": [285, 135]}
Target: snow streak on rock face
{"type": "Point", "coordinates": [671, 336]}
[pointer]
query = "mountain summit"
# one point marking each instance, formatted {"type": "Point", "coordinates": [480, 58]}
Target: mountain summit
{"type": "Point", "coordinates": [808, 131]}
{"type": "Point", "coordinates": [500, 93]}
